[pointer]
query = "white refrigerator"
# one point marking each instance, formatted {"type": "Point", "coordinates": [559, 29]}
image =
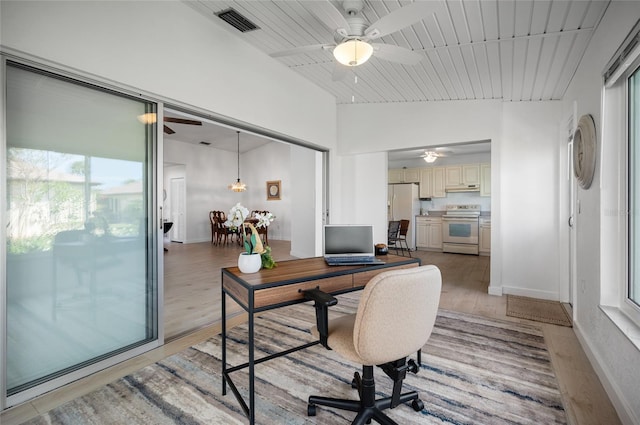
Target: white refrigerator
{"type": "Point", "coordinates": [404, 204]}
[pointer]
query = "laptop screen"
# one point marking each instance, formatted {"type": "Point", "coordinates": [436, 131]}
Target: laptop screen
{"type": "Point", "coordinates": [348, 240]}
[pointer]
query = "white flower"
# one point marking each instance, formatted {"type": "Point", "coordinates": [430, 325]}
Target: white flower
{"type": "Point", "coordinates": [237, 216]}
{"type": "Point", "coordinates": [264, 219]}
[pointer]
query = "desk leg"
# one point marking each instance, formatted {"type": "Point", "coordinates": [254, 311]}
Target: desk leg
{"type": "Point", "coordinates": [224, 337]}
{"type": "Point", "coordinates": [252, 392]}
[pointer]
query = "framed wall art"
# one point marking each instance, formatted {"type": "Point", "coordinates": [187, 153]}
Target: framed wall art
{"type": "Point", "coordinates": [273, 190]}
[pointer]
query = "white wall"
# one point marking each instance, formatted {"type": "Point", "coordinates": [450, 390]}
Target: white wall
{"type": "Point", "coordinates": [270, 162]}
{"type": "Point", "coordinates": [209, 171]}
{"type": "Point", "coordinates": [598, 224]}
{"type": "Point", "coordinates": [168, 49]}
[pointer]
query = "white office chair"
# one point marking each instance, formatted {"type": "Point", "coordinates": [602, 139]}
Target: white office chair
{"type": "Point", "coordinates": [395, 317]}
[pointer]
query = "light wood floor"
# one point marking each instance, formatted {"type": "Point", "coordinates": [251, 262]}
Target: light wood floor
{"type": "Point", "coordinates": [192, 313]}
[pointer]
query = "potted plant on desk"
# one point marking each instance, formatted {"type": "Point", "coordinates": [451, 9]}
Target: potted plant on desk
{"type": "Point", "coordinates": [256, 254]}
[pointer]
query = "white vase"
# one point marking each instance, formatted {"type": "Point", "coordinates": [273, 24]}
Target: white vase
{"type": "Point", "coordinates": [249, 263]}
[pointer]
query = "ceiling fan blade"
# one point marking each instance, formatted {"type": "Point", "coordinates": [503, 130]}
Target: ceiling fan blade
{"type": "Point", "coordinates": [400, 18]}
{"type": "Point", "coordinates": [329, 15]}
{"type": "Point", "coordinates": [398, 54]}
{"type": "Point", "coordinates": [168, 130]}
{"type": "Point", "coordinates": [182, 121]}
{"type": "Point", "coordinates": [301, 49]}
{"type": "Point", "coordinates": [339, 72]}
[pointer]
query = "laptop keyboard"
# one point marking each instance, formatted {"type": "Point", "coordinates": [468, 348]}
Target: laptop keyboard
{"type": "Point", "coordinates": [351, 259]}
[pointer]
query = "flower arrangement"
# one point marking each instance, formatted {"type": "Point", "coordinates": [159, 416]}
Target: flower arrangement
{"type": "Point", "coordinates": [252, 243]}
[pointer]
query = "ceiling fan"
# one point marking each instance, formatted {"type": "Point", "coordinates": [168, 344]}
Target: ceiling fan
{"type": "Point", "coordinates": [169, 130]}
{"type": "Point", "coordinates": [353, 35]}
{"type": "Point", "coordinates": [431, 155]}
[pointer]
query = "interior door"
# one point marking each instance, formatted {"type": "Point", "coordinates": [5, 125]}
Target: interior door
{"type": "Point", "coordinates": [178, 195]}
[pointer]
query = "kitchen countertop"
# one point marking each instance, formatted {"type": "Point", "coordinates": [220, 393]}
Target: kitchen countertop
{"type": "Point", "coordinates": [439, 213]}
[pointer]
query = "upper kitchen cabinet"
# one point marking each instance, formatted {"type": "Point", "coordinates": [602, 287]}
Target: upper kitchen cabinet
{"type": "Point", "coordinates": [462, 176]}
{"type": "Point", "coordinates": [485, 179]}
{"type": "Point", "coordinates": [432, 182]}
{"type": "Point", "coordinates": [404, 175]}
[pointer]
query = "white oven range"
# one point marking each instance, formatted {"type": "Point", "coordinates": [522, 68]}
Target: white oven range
{"type": "Point", "coordinates": [460, 229]}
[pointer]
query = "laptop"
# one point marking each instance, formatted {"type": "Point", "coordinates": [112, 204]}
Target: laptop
{"type": "Point", "coordinates": [349, 244]}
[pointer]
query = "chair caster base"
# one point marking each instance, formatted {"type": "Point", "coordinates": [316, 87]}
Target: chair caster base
{"type": "Point", "coordinates": [417, 405]}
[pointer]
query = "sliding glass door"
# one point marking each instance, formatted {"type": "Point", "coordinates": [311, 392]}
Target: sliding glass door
{"type": "Point", "coordinates": [81, 281]}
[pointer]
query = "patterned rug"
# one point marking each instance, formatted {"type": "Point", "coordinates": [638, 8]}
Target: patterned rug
{"type": "Point", "coordinates": [545, 311]}
{"type": "Point", "coordinates": [475, 371]}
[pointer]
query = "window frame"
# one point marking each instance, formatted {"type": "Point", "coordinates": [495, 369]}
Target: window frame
{"type": "Point", "coordinates": [628, 306]}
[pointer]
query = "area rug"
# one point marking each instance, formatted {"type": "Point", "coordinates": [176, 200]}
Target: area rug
{"type": "Point", "coordinates": [474, 371]}
{"type": "Point", "coordinates": [545, 311]}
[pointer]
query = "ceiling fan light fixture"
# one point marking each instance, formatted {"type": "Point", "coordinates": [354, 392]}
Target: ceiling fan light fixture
{"type": "Point", "coordinates": [430, 157]}
{"type": "Point", "coordinates": [238, 186]}
{"type": "Point", "coordinates": [353, 52]}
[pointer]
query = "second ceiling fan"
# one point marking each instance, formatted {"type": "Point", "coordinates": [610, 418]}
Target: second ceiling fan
{"type": "Point", "coordinates": [169, 130]}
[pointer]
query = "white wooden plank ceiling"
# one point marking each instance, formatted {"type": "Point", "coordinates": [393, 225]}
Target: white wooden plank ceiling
{"type": "Point", "coordinates": [514, 50]}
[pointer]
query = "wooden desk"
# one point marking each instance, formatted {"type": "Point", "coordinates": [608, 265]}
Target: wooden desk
{"type": "Point", "coordinates": [281, 286]}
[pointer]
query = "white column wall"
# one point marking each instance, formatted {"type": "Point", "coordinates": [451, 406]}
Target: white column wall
{"type": "Point", "coordinates": [532, 127]}
{"type": "Point", "coordinates": [529, 193]}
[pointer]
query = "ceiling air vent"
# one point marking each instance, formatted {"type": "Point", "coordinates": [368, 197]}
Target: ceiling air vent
{"type": "Point", "coordinates": [236, 20]}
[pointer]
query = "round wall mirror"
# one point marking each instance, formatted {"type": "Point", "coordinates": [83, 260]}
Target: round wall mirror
{"type": "Point", "coordinates": [584, 151]}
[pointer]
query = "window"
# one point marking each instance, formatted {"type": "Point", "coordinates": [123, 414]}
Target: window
{"type": "Point", "coordinates": [620, 188]}
{"type": "Point", "coordinates": [81, 282]}
{"type": "Point", "coordinates": [633, 88]}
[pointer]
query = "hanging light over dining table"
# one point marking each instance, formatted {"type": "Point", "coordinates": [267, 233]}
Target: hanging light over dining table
{"type": "Point", "coordinates": [238, 186]}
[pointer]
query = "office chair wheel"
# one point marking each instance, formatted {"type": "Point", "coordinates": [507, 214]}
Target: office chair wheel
{"type": "Point", "coordinates": [311, 410]}
{"type": "Point", "coordinates": [417, 405]}
{"type": "Point", "coordinates": [356, 382]}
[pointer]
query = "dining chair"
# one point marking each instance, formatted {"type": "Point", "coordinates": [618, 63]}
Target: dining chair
{"type": "Point", "coordinates": [392, 234]}
{"type": "Point", "coordinates": [214, 227]}
{"type": "Point", "coordinates": [402, 236]}
{"type": "Point", "coordinates": [221, 231]}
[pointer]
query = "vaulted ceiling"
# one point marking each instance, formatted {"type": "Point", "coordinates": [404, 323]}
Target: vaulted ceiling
{"type": "Point", "coordinates": [514, 50]}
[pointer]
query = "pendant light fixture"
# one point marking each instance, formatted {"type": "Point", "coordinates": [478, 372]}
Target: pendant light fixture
{"type": "Point", "coordinates": [238, 186]}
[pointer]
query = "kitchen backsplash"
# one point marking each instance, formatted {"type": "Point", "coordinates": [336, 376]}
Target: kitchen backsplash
{"type": "Point", "coordinates": [439, 204]}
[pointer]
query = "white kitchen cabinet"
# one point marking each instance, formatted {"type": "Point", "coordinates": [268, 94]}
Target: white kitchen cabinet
{"type": "Point", "coordinates": [484, 247]}
{"type": "Point", "coordinates": [485, 179]}
{"type": "Point", "coordinates": [396, 175]}
{"type": "Point", "coordinates": [432, 182]}
{"type": "Point", "coordinates": [465, 175]}
{"type": "Point", "coordinates": [438, 183]}
{"type": "Point", "coordinates": [404, 175]}
{"type": "Point", "coordinates": [453, 176]}
{"type": "Point", "coordinates": [471, 174]}
{"type": "Point", "coordinates": [412, 175]}
{"type": "Point", "coordinates": [429, 233]}
{"type": "Point", "coordinates": [426, 183]}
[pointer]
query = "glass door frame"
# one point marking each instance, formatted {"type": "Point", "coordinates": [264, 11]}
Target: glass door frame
{"type": "Point", "coordinates": [155, 217]}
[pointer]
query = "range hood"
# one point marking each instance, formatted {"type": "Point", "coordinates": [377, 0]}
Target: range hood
{"type": "Point", "coordinates": [469, 188]}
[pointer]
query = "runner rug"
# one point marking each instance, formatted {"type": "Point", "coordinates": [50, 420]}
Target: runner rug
{"type": "Point", "coordinates": [474, 371]}
{"type": "Point", "coordinates": [545, 311]}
